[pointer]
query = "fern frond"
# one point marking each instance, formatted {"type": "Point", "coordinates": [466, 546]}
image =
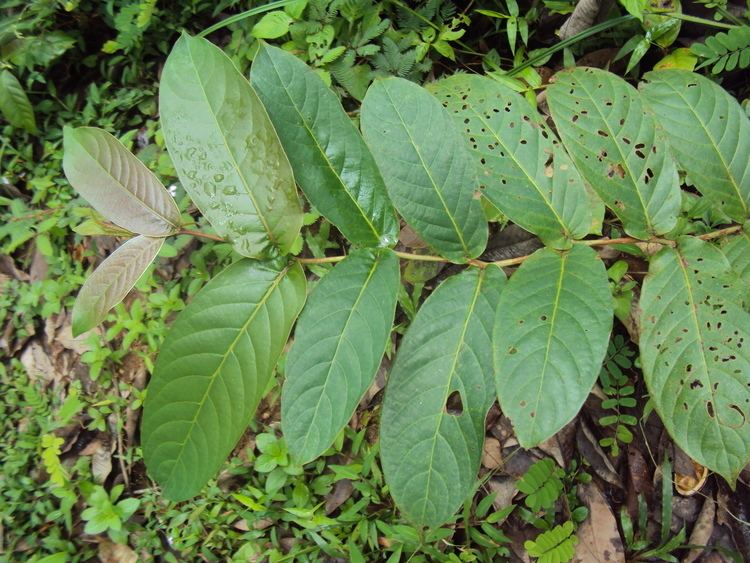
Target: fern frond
{"type": "Point", "coordinates": [542, 484]}
{"type": "Point", "coordinates": [726, 51]}
{"type": "Point", "coordinates": [556, 545]}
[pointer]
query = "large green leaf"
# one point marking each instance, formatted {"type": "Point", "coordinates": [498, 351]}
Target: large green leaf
{"type": "Point", "coordinates": [112, 280]}
{"type": "Point", "coordinates": [437, 398]}
{"type": "Point", "coordinates": [212, 370]}
{"type": "Point", "coordinates": [737, 251]}
{"type": "Point", "coordinates": [617, 147]}
{"type": "Point", "coordinates": [551, 334]}
{"type": "Point", "coordinates": [117, 184]}
{"type": "Point", "coordinates": [709, 134]}
{"type": "Point", "coordinates": [226, 151]}
{"type": "Point", "coordinates": [695, 354]}
{"type": "Point", "coordinates": [525, 172]}
{"type": "Point", "coordinates": [427, 167]}
{"type": "Point", "coordinates": [339, 342]}
{"type": "Point", "coordinates": [14, 104]}
{"type": "Point", "coordinates": [332, 164]}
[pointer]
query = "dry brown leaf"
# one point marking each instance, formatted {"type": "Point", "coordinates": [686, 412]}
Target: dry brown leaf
{"type": "Point", "coordinates": [588, 447]}
{"type": "Point", "coordinates": [582, 18]}
{"type": "Point", "coordinates": [690, 483]}
{"type": "Point", "coordinates": [598, 537]}
{"type": "Point", "coordinates": [38, 364]}
{"type": "Point", "coordinates": [341, 492]}
{"type": "Point", "coordinates": [505, 490]}
{"type": "Point", "coordinates": [492, 456]}
{"type": "Point", "coordinates": [702, 531]}
{"type": "Point", "coordinates": [110, 552]}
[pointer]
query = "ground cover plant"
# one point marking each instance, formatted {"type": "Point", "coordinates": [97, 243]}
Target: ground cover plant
{"type": "Point", "coordinates": [437, 299]}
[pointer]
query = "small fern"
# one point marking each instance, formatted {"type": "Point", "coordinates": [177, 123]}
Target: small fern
{"type": "Point", "coordinates": [726, 51]}
{"type": "Point", "coordinates": [51, 445]}
{"type": "Point", "coordinates": [542, 484]}
{"type": "Point", "coordinates": [554, 546]}
{"type": "Point", "coordinates": [618, 389]}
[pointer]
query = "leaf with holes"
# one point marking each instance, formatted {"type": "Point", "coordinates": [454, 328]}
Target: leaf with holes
{"type": "Point", "coordinates": [525, 172]}
{"type": "Point", "coordinates": [427, 167]}
{"type": "Point", "coordinates": [616, 145]}
{"type": "Point", "coordinates": [737, 251]}
{"type": "Point", "coordinates": [112, 280]}
{"type": "Point", "coordinates": [339, 342]}
{"type": "Point", "coordinates": [333, 166]}
{"type": "Point", "coordinates": [695, 353]}
{"type": "Point", "coordinates": [438, 395]}
{"type": "Point", "coordinates": [709, 134]}
{"type": "Point", "coordinates": [551, 334]}
{"type": "Point", "coordinates": [117, 184]}
{"type": "Point", "coordinates": [226, 151]}
{"type": "Point", "coordinates": [14, 104]}
{"type": "Point", "coordinates": [213, 369]}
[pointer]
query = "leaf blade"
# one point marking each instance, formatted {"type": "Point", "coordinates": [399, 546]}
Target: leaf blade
{"type": "Point", "coordinates": [217, 132]}
{"type": "Point", "coordinates": [448, 345]}
{"type": "Point", "coordinates": [553, 304]}
{"type": "Point", "coordinates": [333, 166]}
{"type": "Point", "coordinates": [14, 103]}
{"type": "Point", "coordinates": [112, 281]}
{"type": "Point", "coordinates": [694, 364]}
{"type": "Point", "coordinates": [207, 382]}
{"type": "Point", "coordinates": [339, 342]}
{"type": "Point", "coordinates": [525, 172]}
{"type": "Point", "coordinates": [709, 133]}
{"type": "Point", "coordinates": [117, 184]}
{"type": "Point", "coordinates": [615, 143]}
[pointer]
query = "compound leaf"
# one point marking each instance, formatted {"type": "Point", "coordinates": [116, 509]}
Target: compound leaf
{"type": "Point", "coordinates": [615, 143]}
{"type": "Point", "coordinates": [14, 104]}
{"type": "Point", "coordinates": [117, 184]}
{"type": "Point", "coordinates": [427, 167]}
{"type": "Point", "coordinates": [226, 151]}
{"type": "Point", "coordinates": [333, 166]}
{"type": "Point", "coordinates": [339, 342]}
{"type": "Point", "coordinates": [551, 334]}
{"type": "Point", "coordinates": [112, 280]}
{"type": "Point", "coordinates": [212, 370]}
{"type": "Point", "coordinates": [438, 395]}
{"type": "Point", "coordinates": [708, 132]}
{"type": "Point", "coordinates": [525, 172]}
{"type": "Point", "coordinates": [555, 545]}
{"type": "Point", "coordinates": [695, 354]}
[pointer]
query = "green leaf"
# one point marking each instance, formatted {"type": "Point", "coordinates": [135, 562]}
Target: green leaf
{"type": "Point", "coordinates": [272, 25]}
{"type": "Point", "coordinates": [737, 251]}
{"type": "Point", "coordinates": [112, 281]}
{"type": "Point", "coordinates": [695, 354]}
{"type": "Point", "coordinates": [615, 143]}
{"type": "Point", "coordinates": [554, 546]}
{"type": "Point", "coordinates": [14, 104]}
{"type": "Point", "coordinates": [117, 184]}
{"type": "Point", "coordinates": [541, 484]}
{"type": "Point", "coordinates": [438, 395]}
{"type": "Point", "coordinates": [332, 164]}
{"type": "Point", "coordinates": [339, 342]}
{"type": "Point", "coordinates": [427, 167]}
{"type": "Point", "coordinates": [524, 171]}
{"type": "Point", "coordinates": [709, 134]}
{"type": "Point", "coordinates": [226, 151]}
{"type": "Point", "coordinates": [212, 370]}
{"type": "Point", "coordinates": [551, 334]}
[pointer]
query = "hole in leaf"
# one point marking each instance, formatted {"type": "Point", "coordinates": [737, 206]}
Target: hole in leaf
{"type": "Point", "coordinates": [453, 405]}
{"type": "Point", "coordinates": [710, 408]}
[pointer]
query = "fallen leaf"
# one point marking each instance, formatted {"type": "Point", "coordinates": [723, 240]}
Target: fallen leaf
{"type": "Point", "coordinates": [598, 536]}
{"type": "Point", "coordinates": [492, 456]}
{"type": "Point", "coordinates": [588, 447]}
{"type": "Point", "coordinates": [505, 490]}
{"type": "Point", "coordinates": [702, 531]}
{"type": "Point", "coordinates": [110, 552]}
{"type": "Point", "coordinates": [341, 492]}
{"type": "Point", "coordinates": [38, 364]}
{"type": "Point", "coordinates": [582, 18]}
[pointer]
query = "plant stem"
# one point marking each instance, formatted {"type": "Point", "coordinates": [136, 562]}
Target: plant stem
{"type": "Point", "coordinates": [692, 19]}
{"type": "Point", "coordinates": [246, 14]}
{"type": "Point", "coordinates": [200, 234]}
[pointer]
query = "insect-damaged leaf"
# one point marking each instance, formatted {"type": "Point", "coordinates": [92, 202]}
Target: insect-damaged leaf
{"type": "Point", "coordinates": [339, 342]}
{"type": "Point", "coordinates": [615, 143]}
{"type": "Point", "coordinates": [427, 167]}
{"type": "Point", "coordinates": [226, 151]}
{"type": "Point", "coordinates": [112, 280]}
{"type": "Point", "coordinates": [438, 395]}
{"type": "Point", "coordinates": [332, 164]}
{"type": "Point", "coordinates": [525, 172]}
{"type": "Point", "coordinates": [213, 369]}
{"type": "Point", "coordinates": [117, 184]}
{"type": "Point", "coordinates": [709, 134]}
{"type": "Point", "coordinates": [551, 334]}
{"type": "Point", "coordinates": [695, 354]}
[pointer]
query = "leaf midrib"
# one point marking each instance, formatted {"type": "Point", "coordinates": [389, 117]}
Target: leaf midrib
{"type": "Point", "coordinates": [427, 170]}
{"type": "Point", "coordinates": [214, 376]}
{"type": "Point", "coordinates": [366, 284]}
{"type": "Point", "coordinates": [223, 137]}
{"type": "Point", "coordinates": [328, 162]}
{"type": "Point", "coordinates": [446, 393]}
